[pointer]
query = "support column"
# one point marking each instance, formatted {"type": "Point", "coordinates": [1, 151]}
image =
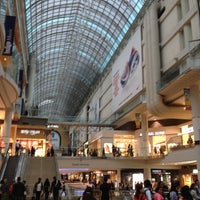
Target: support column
{"type": "Point", "coordinates": [31, 76]}
{"type": "Point", "coordinates": [7, 127]}
{"type": "Point", "coordinates": [147, 173]}
{"type": "Point", "coordinates": [145, 137]}
{"type": "Point", "coordinates": [195, 99]}
{"type": "Point", "coordinates": [14, 140]}
{"type": "Point", "coordinates": [118, 177]}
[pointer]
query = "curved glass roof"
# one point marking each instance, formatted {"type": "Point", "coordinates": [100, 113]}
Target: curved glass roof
{"type": "Point", "coordinates": [73, 41]}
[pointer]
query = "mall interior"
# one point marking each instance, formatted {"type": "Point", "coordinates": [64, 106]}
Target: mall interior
{"type": "Point", "coordinates": [111, 85]}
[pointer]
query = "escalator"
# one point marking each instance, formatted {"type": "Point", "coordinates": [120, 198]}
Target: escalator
{"type": "Point", "coordinates": [11, 168]}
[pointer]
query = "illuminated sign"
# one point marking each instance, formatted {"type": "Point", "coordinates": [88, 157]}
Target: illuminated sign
{"type": "Point", "coordinates": [156, 133]}
{"type": "Point", "coordinates": [30, 132]}
{"type": "Point", "coordinates": [53, 126]}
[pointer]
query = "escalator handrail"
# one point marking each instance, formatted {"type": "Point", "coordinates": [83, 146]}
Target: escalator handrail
{"type": "Point", "coordinates": [20, 166]}
{"type": "Point", "coordinates": [4, 163]}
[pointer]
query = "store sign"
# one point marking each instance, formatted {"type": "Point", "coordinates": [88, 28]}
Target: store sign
{"type": "Point", "coordinates": [187, 129]}
{"type": "Point", "coordinates": [156, 133]}
{"type": "Point", "coordinates": [30, 132]}
{"type": "Point", "coordinates": [52, 126]}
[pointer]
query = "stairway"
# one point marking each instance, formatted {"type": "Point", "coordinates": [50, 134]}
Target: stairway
{"type": "Point", "coordinates": [39, 167]}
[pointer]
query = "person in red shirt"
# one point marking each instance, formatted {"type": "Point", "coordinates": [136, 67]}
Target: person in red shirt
{"type": "Point", "coordinates": [139, 192]}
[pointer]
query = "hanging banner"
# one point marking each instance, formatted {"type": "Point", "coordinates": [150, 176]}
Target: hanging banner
{"type": "Point", "coordinates": [187, 99]}
{"type": "Point", "coordinates": [17, 111]}
{"type": "Point", "coordinates": [20, 82]}
{"type": "Point", "coordinates": [138, 120]}
{"type": "Point", "coordinates": [9, 31]}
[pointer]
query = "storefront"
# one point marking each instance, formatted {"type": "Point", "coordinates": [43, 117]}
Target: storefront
{"type": "Point", "coordinates": [130, 177]}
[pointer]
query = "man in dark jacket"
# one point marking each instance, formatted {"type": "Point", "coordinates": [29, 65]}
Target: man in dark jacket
{"type": "Point", "coordinates": [105, 189]}
{"type": "Point", "coordinates": [18, 190]}
{"type": "Point", "coordinates": [55, 187]}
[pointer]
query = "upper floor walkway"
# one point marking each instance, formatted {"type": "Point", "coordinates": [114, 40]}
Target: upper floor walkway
{"type": "Point", "coordinates": [173, 159]}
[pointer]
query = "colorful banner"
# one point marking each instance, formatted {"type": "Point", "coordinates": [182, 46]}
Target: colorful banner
{"type": "Point", "coordinates": [9, 30]}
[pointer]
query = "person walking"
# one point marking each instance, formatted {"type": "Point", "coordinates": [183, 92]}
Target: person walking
{"type": "Point", "coordinates": [55, 187]}
{"type": "Point", "coordinates": [26, 192]}
{"type": "Point", "coordinates": [17, 147]}
{"type": "Point", "coordinates": [32, 151]}
{"type": "Point", "coordinates": [174, 191]}
{"type": "Point", "coordinates": [185, 193]}
{"type": "Point", "coordinates": [18, 190]}
{"type": "Point", "coordinates": [148, 189]}
{"type": "Point", "coordinates": [88, 194]}
{"type": "Point", "coordinates": [52, 151]}
{"type": "Point", "coordinates": [105, 189]}
{"type": "Point", "coordinates": [193, 192]}
{"type": "Point", "coordinates": [158, 195]}
{"type": "Point", "coordinates": [38, 188]}
{"type": "Point", "coordinates": [139, 192]}
{"type": "Point", "coordinates": [47, 185]}
{"type": "Point", "coordinates": [5, 189]}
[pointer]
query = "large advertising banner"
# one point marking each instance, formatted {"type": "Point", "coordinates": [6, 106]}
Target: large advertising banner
{"type": "Point", "coordinates": [94, 111]}
{"type": "Point", "coordinates": [9, 30]}
{"type": "Point", "coordinates": [127, 72]}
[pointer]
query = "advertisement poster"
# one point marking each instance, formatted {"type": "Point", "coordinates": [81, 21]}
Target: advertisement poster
{"type": "Point", "coordinates": [127, 72]}
{"type": "Point", "coordinates": [9, 30]}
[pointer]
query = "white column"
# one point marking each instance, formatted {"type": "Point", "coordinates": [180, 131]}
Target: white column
{"type": "Point", "coordinates": [195, 103]}
{"type": "Point", "coordinates": [7, 127]}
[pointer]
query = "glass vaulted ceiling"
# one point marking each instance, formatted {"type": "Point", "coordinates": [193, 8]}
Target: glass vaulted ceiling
{"type": "Point", "coordinates": [73, 41]}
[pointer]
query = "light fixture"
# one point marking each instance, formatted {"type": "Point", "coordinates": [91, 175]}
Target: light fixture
{"type": "Point", "coordinates": [195, 171]}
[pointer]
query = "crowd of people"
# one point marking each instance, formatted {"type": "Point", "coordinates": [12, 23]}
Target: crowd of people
{"type": "Point", "coordinates": [162, 192]}
{"type": "Point", "coordinates": [145, 191]}
{"type": "Point", "coordinates": [19, 190]}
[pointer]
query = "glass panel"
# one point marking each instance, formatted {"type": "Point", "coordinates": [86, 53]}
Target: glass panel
{"type": "Point", "coordinates": [73, 42]}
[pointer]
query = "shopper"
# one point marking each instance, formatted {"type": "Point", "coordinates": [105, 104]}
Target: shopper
{"type": "Point", "coordinates": [193, 192]}
{"type": "Point", "coordinates": [88, 194]}
{"type": "Point", "coordinates": [46, 189]}
{"type": "Point", "coordinates": [139, 192]}
{"type": "Point", "coordinates": [17, 147]}
{"type": "Point", "coordinates": [158, 195]}
{"type": "Point", "coordinates": [148, 189]}
{"type": "Point", "coordinates": [185, 193]}
{"type": "Point", "coordinates": [105, 189]}
{"type": "Point", "coordinates": [197, 187]}
{"type": "Point", "coordinates": [5, 189]}
{"type": "Point", "coordinates": [55, 187]}
{"type": "Point", "coordinates": [26, 192]}
{"type": "Point", "coordinates": [18, 190]}
{"type": "Point", "coordinates": [38, 188]}
{"type": "Point", "coordinates": [173, 194]}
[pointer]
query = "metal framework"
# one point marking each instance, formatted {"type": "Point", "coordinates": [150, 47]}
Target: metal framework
{"type": "Point", "coordinates": [73, 41]}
